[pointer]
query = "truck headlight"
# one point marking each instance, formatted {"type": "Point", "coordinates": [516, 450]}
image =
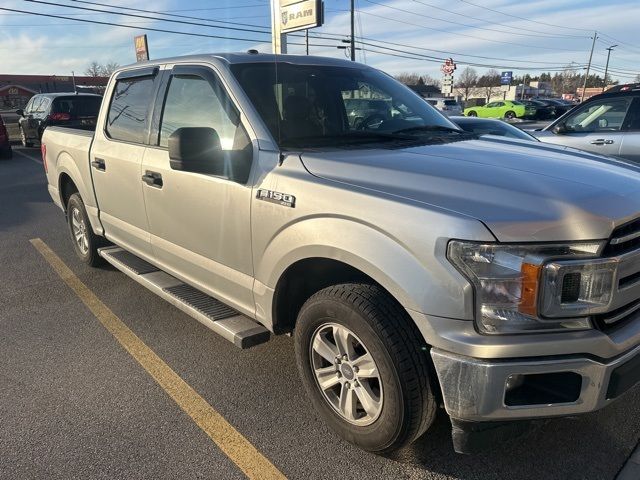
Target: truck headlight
{"type": "Point", "coordinates": [525, 288]}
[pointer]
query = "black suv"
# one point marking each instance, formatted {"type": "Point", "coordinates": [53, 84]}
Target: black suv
{"type": "Point", "coordinates": [74, 110]}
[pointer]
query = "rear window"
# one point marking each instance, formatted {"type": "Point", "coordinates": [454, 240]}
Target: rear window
{"type": "Point", "coordinates": [79, 106]}
{"type": "Point", "coordinates": [128, 109]}
{"type": "Point", "coordinates": [450, 102]}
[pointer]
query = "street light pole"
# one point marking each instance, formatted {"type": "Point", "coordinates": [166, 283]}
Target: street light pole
{"type": "Point", "coordinates": [606, 68]}
{"type": "Point", "coordinates": [584, 85]}
{"type": "Point", "coordinates": [353, 38]}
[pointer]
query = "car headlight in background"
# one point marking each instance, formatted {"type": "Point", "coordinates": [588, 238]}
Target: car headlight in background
{"type": "Point", "coordinates": [529, 288]}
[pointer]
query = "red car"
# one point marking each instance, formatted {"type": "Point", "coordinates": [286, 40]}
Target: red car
{"type": "Point", "coordinates": [5, 146]}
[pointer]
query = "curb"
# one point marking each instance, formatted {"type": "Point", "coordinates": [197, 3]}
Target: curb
{"type": "Point", "coordinates": [631, 469]}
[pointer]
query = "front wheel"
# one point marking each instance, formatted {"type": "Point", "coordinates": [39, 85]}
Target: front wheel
{"type": "Point", "coordinates": [85, 242]}
{"type": "Point", "coordinates": [365, 366]}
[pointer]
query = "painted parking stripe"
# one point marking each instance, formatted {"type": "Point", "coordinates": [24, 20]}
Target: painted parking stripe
{"type": "Point", "coordinates": [24, 155]}
{"type": "Point", "coordinates": [224, 435]}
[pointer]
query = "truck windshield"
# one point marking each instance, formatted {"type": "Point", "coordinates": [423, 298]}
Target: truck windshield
{"type": "Point", "coordinates": [325, 105]}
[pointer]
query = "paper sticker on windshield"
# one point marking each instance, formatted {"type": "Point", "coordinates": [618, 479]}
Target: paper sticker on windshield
{"type": "Point", "coordinates": [284, 199]}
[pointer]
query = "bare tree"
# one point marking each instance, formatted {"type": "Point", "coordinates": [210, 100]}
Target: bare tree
{"type": "Point", "coordinates": [109, 67]}
{"type": "Point", "coordinates": [409, 78]}
{"type": "Point", "coordinates": [429, 80]}
{"type": "Point", "coordinates": [489, 82]}
{"type": "Point", "coordinates": [93, 70]}
{"type": "Point", "coordinates": [637, 79]}
{"type": "Point", "coordinates": [466, 81]}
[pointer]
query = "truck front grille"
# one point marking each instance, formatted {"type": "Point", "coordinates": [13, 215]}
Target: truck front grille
{"type": "Point", "coordinates": [624, 239]}
{"type": "Point", "coordinates": [607, 322]}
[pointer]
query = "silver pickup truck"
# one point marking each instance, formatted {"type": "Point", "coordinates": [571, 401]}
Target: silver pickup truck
{"type": "Point", "coordinates": [416, 265]}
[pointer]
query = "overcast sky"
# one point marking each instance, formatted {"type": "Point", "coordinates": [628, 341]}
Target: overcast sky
{"type": "Point", "coordinates": [508, 34]}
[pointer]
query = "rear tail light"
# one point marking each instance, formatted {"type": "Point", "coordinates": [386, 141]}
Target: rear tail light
{"type": "Point", "coordinates": [43, 149]}
{"type": "Point", "coordinates": [60, 116]}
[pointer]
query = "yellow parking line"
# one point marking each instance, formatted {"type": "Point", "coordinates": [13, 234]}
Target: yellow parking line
{"type": "Point", "coordinates": [228, 439]}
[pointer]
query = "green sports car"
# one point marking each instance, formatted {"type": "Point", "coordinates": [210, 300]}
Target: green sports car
{"type": "Point", "coordinates": [507, 109]}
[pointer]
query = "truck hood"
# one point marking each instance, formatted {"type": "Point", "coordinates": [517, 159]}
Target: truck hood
{"type": "Point", "coordinates": [522, 191]}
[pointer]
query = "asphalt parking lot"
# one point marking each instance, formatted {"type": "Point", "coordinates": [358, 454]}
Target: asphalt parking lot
{"type": "Point", "coordinates": [75, 404]}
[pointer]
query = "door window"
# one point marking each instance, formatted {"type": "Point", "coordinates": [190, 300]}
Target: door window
{"type": "Point", "coordinates": [29, 106]}
{"type": "Point", "coordinates": [491, 105]}
{"type": "Point", "coordinates": [128, 110]}
{"type": "Point", "coordinates": [34, 104]}
{"type": "Point", "coordinates": [192, 101]}
{"type": "Point", "coordinates": [605, 115]}
{"type": "Point", "coordinates": [43, 105]}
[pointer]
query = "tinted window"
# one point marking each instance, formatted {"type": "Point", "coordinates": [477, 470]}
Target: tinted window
{"type": "Point", "coordinates": [600, 115]}
{"type": "Point", "coordinates": [307, 106]}
{"type": "Point", "coordinates": [491, 105]}
{"type": "Point", "coordinates": [192, 101]}
{"type": "Point", "coordinates": [128, 110]}
{"type": "Point", "coordinates": [450, 102]}
{"type": "Point", "coordinates": [77, 106]}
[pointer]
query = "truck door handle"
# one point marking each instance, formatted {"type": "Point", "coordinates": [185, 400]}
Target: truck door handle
{"type": "Point", "coordinates": [602, 141]}
{"type": "Point", "coordinates": [98, 164]}
{"type": "Point", "coordinates": [152, 178]}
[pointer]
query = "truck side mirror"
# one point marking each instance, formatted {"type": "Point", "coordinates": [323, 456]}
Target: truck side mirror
{"type": "Point", "coordinates": [20, 112]}
{"type": "Point", "coordinates": [197, 150]}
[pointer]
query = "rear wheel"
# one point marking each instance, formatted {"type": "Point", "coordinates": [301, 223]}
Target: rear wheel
{"type": "Point", "coordinates": [472, 114]}
{"type": "Point", "coordinates": [509, 115]}
{"type": "Point", "coordinates": [85, 242]}
{"type": "Point", "coordinates": [365, 366]}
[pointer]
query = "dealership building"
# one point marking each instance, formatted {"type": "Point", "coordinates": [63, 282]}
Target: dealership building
{"type": "Point", "coordinates": [16, 90]}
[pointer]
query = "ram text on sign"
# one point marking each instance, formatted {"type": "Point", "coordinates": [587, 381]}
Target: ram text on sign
{"type": "Point", "coordinates": [299, 15]}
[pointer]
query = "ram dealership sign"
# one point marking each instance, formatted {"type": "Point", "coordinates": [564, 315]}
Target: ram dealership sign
{"type": "Point", "coordinates": [300, 15]}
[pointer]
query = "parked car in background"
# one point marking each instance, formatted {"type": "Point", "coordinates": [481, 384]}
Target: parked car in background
{"type": "Point", "coordinates": [608, 123]}
{"type": "Point", "coordinates": [543, 111]}
{"type": "Point", "coordinates": [5, 145]}
{"type": "Point", "coordinates": [448, 106]}
{"type": "Point", "coordinates": [490, 126]}
{"type": "Point", "coordinates": [559, 107]}
{"type": "Point", "coordinates": [508, 109]}
{"type": "Point", "coordinates": [74, 110]}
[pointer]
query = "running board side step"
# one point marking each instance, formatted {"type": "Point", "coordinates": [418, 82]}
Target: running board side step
{"type": "Point", "coordinates": [222, 319]}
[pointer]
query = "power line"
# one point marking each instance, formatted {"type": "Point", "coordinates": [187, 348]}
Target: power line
{"type": "Point", "coordinates": [111, 24]}
{"type": "Point", "coordinates": [459, 33]}
{"type": "Point", "coordinates": [184, 22]}
{"type": "Point", "coordinates": [161, 13]}
{"type": "Point", "coordinates": [524, 18]}
{"type": "Point", "coordinates": [494, 23]}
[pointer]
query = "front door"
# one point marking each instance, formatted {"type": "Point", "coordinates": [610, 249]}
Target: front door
{"type": "Point", "coordinates": [200, 223]}
{"type": "Point", "coordinates": [595, 126]}
{"type": "Point", "coordinates": [116, 161]}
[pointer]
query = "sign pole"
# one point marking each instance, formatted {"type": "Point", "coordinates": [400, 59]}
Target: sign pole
{"type": "Point", "coordinates": [278, 39]}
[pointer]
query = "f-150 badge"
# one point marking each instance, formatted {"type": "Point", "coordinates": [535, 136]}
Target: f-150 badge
{"type": "Point", "coordinates": [283, 199]}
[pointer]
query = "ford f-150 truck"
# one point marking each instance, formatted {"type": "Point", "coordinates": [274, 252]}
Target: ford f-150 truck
{"type": "Point", "coordinates": [416, 264]}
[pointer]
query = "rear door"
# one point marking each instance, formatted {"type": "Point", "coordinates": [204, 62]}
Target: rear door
{"type": "Point", "coordinates": [116, 159]}
{"type": "Point", "coordinates": [596, 126]}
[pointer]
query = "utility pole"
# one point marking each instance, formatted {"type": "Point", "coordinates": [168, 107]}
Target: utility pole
{"type": "Point", "coordinates": [353, 38]}
{"type": "Point", "coordinates": [306, 40]}
{"type": "Point", "coordinates": [606, 68]}
{"type": "Point", "coordinates": [584, 85]}
{"type": "Point", "coordinates": [73, 76]}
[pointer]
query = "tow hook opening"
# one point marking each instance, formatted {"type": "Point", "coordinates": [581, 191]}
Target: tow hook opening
{"type": "Point", "coordinates": [542, 388]}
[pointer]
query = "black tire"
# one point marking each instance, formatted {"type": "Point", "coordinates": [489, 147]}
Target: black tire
{"type": "Point", "coordinates": [93, 242]}
{"type": "Point", "coordinates": [472, 114]}
{"type": "Point", "coordinates": [509, 115]}
{"type": "Point", "coordinates": [23, 139]}
{"type": "Point", "coordinates": [400, 355]}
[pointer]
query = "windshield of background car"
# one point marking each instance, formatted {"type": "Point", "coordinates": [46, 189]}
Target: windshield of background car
{"type": "Point", "coordinates": [77, 106]}
{"type": "Point", "coordinates": [315, 105]}
{"type": "Point", "coordinates": [480, 127]}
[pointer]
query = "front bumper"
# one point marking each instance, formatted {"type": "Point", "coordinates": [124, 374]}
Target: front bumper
{"type": "Point", "coordinates": [493, 390]}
